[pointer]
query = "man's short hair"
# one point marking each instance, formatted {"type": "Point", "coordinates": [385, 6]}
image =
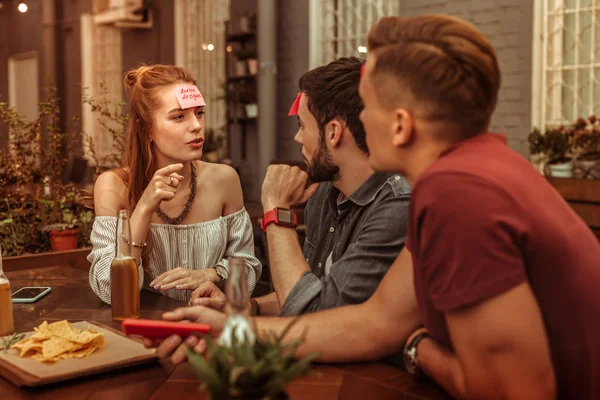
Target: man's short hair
{"type": "Point", "coordinates": [445, 64]}
{"type": "Point", "coordinates": [332, 92]}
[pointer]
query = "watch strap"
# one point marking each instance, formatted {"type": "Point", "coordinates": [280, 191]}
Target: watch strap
{"type": "Point", "coordinates": [273, 216]}
{"type": "Point", "coordinates": [411, 355]}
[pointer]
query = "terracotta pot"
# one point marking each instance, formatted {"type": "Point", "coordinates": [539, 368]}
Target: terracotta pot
{"type": "Point", "coordinates": [64, 240]}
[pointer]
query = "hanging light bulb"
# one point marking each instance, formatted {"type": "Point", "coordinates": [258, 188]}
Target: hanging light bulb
{"type": "Point", "coordinates": [210, 47]}
{"type": "Point", "coordinates": [22, 7]}
{"type": "Point", "coordinates": [362, 49]}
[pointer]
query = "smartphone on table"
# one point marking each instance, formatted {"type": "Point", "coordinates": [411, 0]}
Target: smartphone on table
{"type": "Point", "coordinates": [159, 330]}
{"type": "Point", "coordinates": [30, 294]}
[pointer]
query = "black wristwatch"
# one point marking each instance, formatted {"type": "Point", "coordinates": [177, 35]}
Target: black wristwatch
{"type": "Point", "coordinates": [411, 360]}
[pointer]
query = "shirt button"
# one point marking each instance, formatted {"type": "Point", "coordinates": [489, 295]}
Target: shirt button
{"type": "Point", "coordinates": [320, 265]}
{"type": "Point", "coordinates": [331, 229]}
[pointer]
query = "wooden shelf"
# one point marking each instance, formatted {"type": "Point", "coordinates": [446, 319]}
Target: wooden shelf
{"type": "Point", "coordinates": [241, 36]}
{"type": "Point", "coordinates": [241, 120]}
{"type": "Point", "coordinates": [237, 78]}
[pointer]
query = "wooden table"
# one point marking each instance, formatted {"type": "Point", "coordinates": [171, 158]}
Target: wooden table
{"type": "Point", "coordinates": [72, 299]}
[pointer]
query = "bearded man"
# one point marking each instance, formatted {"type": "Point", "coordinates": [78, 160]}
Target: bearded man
{"type": "Point", "coordinates": [355, 218]}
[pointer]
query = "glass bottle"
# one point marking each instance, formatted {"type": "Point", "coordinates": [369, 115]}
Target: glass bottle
{"type": "Point", "coordinates": [124, 278]}
{"type": "Point", "coordinates": [238, 306]}
{"type": "Point", "coordinates": [6, 317]}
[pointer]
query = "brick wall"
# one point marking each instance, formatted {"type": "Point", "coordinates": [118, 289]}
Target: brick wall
{"type": "Point", "coordinates": [508, 25]}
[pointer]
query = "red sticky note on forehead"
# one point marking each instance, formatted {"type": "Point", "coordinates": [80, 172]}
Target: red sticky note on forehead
{"type": "Point", "coordinates": [189, 96]}
{"type": "Point", "coordinates": [295, 106]}
{"type": "Point", "coordinates": [362, 70]}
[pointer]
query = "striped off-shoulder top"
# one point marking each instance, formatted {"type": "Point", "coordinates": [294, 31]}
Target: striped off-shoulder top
{"type": "Point", "coordinates": [195, 246]}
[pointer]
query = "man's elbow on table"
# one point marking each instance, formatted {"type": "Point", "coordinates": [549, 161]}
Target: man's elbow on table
{"type": "Point", "coordinates": [542, 388]}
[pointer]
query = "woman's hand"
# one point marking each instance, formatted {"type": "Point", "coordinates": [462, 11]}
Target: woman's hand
{"type": "Point", "coordinates": [184, 279]}
{"type": "Point", "coordinates": [162, 187]}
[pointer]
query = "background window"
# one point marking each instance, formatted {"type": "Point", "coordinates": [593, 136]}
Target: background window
{"type": "Point", "coordinates": [570, 54]}
{"type": "Point", "coordinates": [338, 28]}
{"type": "Point", "coordinates": [200, 47]}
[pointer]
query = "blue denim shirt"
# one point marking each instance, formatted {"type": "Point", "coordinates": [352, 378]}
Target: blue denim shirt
{"type": "Point", "coordinates": [363, 234]}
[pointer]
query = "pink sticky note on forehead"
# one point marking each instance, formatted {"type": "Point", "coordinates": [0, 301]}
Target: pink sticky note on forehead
{"type": "Point", "coordinates": [295, 106]}
{"type": "Point", "coordinates": [189, 96]}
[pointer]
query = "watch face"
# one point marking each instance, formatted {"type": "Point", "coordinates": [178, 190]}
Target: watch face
{"type": "Point", "coordinates": [409, 360]}
{"type": "Point", "coordinates": [285, 215]}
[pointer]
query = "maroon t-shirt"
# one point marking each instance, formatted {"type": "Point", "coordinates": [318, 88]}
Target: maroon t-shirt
{"type": "Point", "coordinates": [482, 221]}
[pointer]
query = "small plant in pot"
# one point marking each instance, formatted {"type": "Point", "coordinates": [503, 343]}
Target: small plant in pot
{"type": "Point", "coordinates": [586, 147]}
{"type": "Point", "coordinates": [538, 157]}
{"type": "Point", "coordinates": [250, 371]}
{"type": "Point", "coordinates": [74, 218]}
{"type": "Point", "coordinates": [552, 149]}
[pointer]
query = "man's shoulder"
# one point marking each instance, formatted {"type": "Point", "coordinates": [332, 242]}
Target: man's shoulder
{"type": "Point", "coordinates": [398, 185]}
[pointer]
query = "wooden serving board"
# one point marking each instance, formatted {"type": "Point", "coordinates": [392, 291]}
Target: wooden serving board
{"type": "Point", "coordinates": [120, 352]}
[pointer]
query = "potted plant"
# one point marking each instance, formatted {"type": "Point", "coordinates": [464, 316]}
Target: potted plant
{"type": "Point", "coordinates": [73, 217]}
{"type": "Point", "coordinates": [552, 149]}
{"type": "Point", "coordinates": [586, 147]}
{"type": "Point", "coordinates": [250, 371]}
{"type": "Point", "coordinates": [34, 190]}
{"type": "Point", "coordinates": [538, 157]}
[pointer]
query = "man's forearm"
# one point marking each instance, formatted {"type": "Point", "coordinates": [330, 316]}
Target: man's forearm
{"type": "Point", "coordinates": [268, 304]}
{"type": "Point", "coordinates": [286, 260]}
{"type": "Point", "coordinates": [442, 366]}
{"type": "Point", "coordinates": [347, 337]}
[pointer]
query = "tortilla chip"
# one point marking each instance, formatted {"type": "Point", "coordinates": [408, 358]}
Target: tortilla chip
{"type": "Point", "coordinates": [28, 346]}
{"type": "Point", "coordinates": [59, 341]}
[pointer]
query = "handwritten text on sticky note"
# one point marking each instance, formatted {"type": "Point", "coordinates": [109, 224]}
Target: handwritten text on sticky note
{"type": "Point", "coordinates": [189, 96]}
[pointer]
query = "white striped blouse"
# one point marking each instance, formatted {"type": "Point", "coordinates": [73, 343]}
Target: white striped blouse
{"type": "Point", "coordinates": [195, 246]}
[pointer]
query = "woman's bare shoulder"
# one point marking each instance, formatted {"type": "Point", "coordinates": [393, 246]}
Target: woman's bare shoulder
{"type": "Point", "coordinates": [220, 173]}
{"type": "Point", "coordinates": [110, 193]}
{"type": "Point", "coordinates": [227, 180]}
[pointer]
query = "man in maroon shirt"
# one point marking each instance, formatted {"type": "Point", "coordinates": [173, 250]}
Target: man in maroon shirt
{"type": "Point", "coordinates": [507, 276]}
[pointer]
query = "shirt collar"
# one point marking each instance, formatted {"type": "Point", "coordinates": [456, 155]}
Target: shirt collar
{"type": "Point", "coordinates": [362, 196]}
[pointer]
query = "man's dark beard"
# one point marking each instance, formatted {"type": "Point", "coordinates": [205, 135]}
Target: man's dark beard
{"type": "Point", "coordinates": [322, 169]}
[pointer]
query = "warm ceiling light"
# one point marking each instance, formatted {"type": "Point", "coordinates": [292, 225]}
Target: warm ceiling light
{"type": "Point", "coordinates": [210, 47]}
{"type": "Point", "coordinates": [22, 7]}
{"type": "Point", "coordinates": [229, 48]}
{"type": "Point", "coordinates": [362, 49]}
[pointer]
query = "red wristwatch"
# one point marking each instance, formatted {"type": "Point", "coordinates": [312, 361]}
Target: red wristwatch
{"type": "Point", "coordinates": [280, 216]}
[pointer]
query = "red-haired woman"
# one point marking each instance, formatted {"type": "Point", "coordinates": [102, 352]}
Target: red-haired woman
{"type": "Point", "coordinates": [187, 216]}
